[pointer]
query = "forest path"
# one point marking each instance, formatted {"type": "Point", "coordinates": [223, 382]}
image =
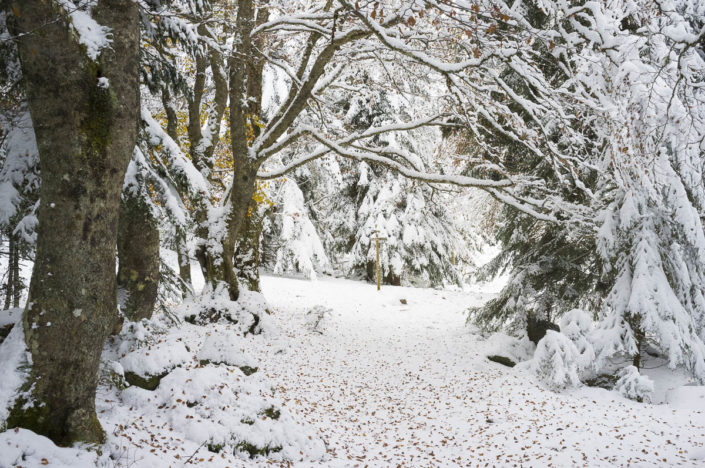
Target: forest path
{"type": "Point", "coordinates": [390, 384]}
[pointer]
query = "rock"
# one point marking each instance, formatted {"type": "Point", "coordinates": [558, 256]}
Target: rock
{"type": "Point", "coordinates": [215, 448]}
{"type": "Point", "coordinates": [247, 370]}
{"type": "Point", "coordinates": [4, 331]}
{"type": "Point", "coordinates": [403, 301]}
{"type": "Point", "coordinates": [505, 361]}
{"type": "Point", "coordinates": [606, 381]}
{"type": "Point", "coordinates": [536, 328]}
{"type": "Point", "coordinates": [253, 450]}
{"type": "Point", "coordinates": [271, 413]}
{"type": "Point", "coordinates": [150, 382]}
{"type": "Point", "coordinates": [253, 330]}
{"type": "Point", "coordinates": [210, 315]}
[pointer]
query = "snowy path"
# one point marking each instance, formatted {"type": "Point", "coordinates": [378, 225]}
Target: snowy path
{"type": "Point", "coordinates": [390, 384]}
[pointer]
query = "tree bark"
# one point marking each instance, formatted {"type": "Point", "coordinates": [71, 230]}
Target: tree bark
{"type": "Point", "coordinates": [244, 70]}
{"type": "Point", "coordinates": [184, 264]}
{"type": "Point", "coordinates": [181, 247]}
{"type": "Point", "coordinates": [203, 146]}
{"type": "Point", "coordinates": [16, 278]}
{"type": "Point", "coordinates": [238, 202]}
{"type": "Point", "coordinates": [247, 249]}
{"type": "Point", "coordinates": [10, 272]}
{"type": "Point", "coordinates": [138, 254]}
{"type": "Point", "coordinates": [86, 130]}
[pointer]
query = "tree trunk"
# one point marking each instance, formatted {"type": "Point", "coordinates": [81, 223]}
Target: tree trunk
{"type": "Point", "coordinates": [184, 264]}
{"type": "Point", "coordinates": [16, 278]}
{"type": "Point", "coordinates": [172, 120]}
{"type": "Point", "coordinates": [238, 203]}
{"type": "Point", "coordinates": [138, 254]}
{"type": "Point", "coordinates": [181, 247]}
{"type": "Point", "coordinates": [245, 79]}
{"type": "Point", "coordinates": [242, 74]}
{"type": "Point", "coordinates": [86, 129]}
{"type": "Point", "coordinates": [10, 272]}
{"type": "Point", "coordinates": [247, 249]}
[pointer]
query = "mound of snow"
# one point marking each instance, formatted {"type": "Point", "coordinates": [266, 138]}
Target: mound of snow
{"type": "Point", "coordinates": [20, 447]}
{"type": "Point", "coordinates": [10, 316]}
{"type": "Point", "coordinates": [317, 319]}
{"type": "Point", "coordinates": [691, 397]}
{"type": "Point", "coordinates": [212, 396]}
{"type": "Point", "coordinates": [220, 347]}
{"type": "Point", "coordinates": [518, 350]}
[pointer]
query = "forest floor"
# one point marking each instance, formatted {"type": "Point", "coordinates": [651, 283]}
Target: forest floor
{"type": "Point", "coordinates": [390, 384]}
{"type": "Point", "coordinates": [388, 378]}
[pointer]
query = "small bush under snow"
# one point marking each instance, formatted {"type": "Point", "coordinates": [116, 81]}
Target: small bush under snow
{"type": "Point", "coordinates": [633, 385]}
{"type": "Point", "coordinates": [577, 325]}
{"type": "Point", "coordinates": [555, 361]}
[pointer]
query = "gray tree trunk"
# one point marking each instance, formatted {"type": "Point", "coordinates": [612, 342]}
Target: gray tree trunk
{"type": "Point", "coordinates": [247, 249]}
{"type": "Point", "coordinates": [85, 134]}
{"type": "Point", "coordinates": [10, 272]}
{"type": "Point", "coordinates": [138, 254]}
{"type": "Point", "coordinates": [245, 79]}
{"type": "Point", "coordinates": [15, 267]}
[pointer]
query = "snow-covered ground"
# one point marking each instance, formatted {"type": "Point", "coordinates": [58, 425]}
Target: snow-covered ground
{"type": "Point", "coordinates": [390, 384]}
{"type": "Point", "coordinates": [383, 378]}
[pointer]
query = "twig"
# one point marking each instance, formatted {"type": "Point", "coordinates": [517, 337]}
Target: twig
{"type": "Point", "coordinates": [194, 453]}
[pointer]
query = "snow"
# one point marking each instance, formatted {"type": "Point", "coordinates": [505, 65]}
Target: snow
{"type": "Point", "coordinates": [91, 34]}
{"type": "Point", "coordinates": [688, 397]}
{"type": "Point", "coordinates": [301, 250]}
{"type": "Point", "coordinates": [390, 383]}
{"type": "Point", "coordinates": [20, 447]}
{"type": "Point", "coordinates": [634, 386]}
{"type": "Point", "coordinates": [394, 377]}
{"type": "Point", "coordinates": [13, 355]}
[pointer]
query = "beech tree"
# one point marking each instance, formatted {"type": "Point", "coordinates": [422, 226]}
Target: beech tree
{"type": "Point", "coordinates": [80, 70]}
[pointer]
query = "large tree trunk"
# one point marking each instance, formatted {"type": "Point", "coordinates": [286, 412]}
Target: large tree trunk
{"type": "Point", "coordinates": [86, 130]}
{"type": "Point", "coordinates": [247, 248]}
{"type": "Point", "coordinates": [138, 255]}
